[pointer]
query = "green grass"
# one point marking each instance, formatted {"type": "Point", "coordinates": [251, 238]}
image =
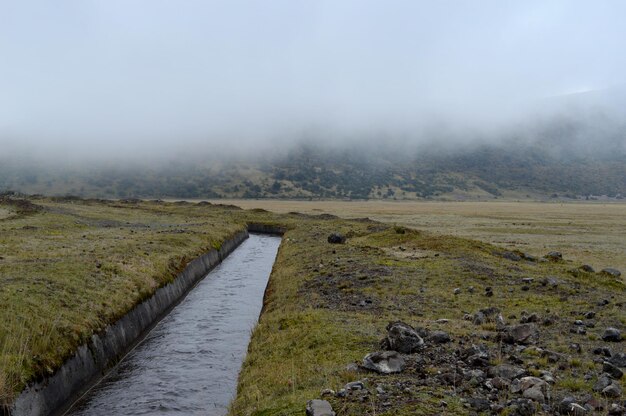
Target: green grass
{"type": "Point", "coordinates": [70, 268]}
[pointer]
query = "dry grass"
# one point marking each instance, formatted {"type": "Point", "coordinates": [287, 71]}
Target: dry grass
{"type": "Point", "coordinates": [587, 233]}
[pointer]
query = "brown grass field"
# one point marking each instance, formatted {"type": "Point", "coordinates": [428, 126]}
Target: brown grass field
{"type": "Point", "coordinates": [591, 233]}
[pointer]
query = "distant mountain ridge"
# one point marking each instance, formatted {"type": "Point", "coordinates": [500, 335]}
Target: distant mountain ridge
{"type": "Point", "coordinates": [540, 169]}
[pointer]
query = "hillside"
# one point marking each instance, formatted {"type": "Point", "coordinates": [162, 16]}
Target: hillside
{"type": "Point", "coordinates": [349, 172]}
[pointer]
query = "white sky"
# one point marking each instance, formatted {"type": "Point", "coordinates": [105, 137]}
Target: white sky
{"type": "Point", "coordinates": [116, 75]}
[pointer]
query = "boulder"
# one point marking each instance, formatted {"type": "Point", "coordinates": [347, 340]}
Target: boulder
{"type": "Point", "coordinates": [554, 256]}
{"type": "Point", "coordinates": [319, 408]}
{"type": "Point", "coordinates": [612, 390]}
{"type": "Point", "coordinates": [439, 337]}
{"type": "Point", "coordinates": [603, 381]}
{"type": "Point", "coordinates": [611, 272]}
{"type": "Point", "coordinates": [384, 362]}
{"type": "Point", "coordinates": [520, 334]}
{"type": "Point", "coordinates": [612, 335]}
{"type": "Point", "coordinates": [403, 338]}
{"type": "Point", "coordinates": [336, 238]}
{"type": "Point", "coordinates": [506, 371]}
{"type": "Point", "coordinates": [612, 370]}
{"type": "Point", "coordinates": [618, 359]}
{"type": "Point", "coordinates": [587, 268]}
{"type": "Point", "coordinates": [568, 406]}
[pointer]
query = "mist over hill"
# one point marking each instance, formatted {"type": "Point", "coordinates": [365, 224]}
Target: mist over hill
{"type": "Point", "coordinates": [566, 157]}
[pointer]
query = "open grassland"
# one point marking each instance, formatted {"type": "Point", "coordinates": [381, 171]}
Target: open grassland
{"type": "Point", "coordinates": [70, 267]}
{"type": "Point", "coordinates": [588, 233]}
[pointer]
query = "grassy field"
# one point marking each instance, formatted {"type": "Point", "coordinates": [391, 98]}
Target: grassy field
{"type": "Point", "coordinates": [588, 233]}
{"type": "Point", "coordinates": [70, 267]}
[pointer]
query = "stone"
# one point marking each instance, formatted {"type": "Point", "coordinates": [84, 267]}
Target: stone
{"type": "Point", "coordinates": [477, 356]}
{"type": "Point", "coordinates": [612, 335]}
{"type": "Point", "coordinates": [587, 268]}
{"type": "Point", "coordinates": [403, 338]}
{"type": "Point", "coordinates": [521, 407]}
{"type": "Point", "coordinates": [589, 315]}
{"type": "Point", "coordinates": [530, 382]}
{"type": "Point", "coordinates": [534, 394]}
{"type": "Point", "coordinates": [612, 390]}
{"type": "Point", "coordinates": [439, 337]}
{"type": "Point", "coordinates": [552, 356]}
{"type": "Point", "coordinates": [533, 317]}
{"type": "Point", "coordinates": [618, 359]}
{"type": "Point", "coordinates": [384, 362]}
{"type": "Point", "coordinates": [603, 381]}
{"type": "Point", "coordinates": [554, 256]}
{"type": "Point", "coordinates": [520, 334]}
{"type": "Point", "coordinates": [527, 280]}
{"type": "Point", "coordinates": [568, 406]}
{"type": "Point", "coordinates": [611, 272]}
{"type": "Point", "coordinates": [354, 385]}
{"type": "Point", "coordinates": [616, 410]}
{"type": "Point", "coordinates": [550, 281]}
{"type": "Point", "coordinates": [612, 370]}
{"type": "Point", "coordinates": [336, 238]}
{"type": "Point", "coordinates": [506, 371]}
{"type": "Point", "coordinates": [457, 291]}
{"type": "Point", "coordinates": [319, 408]}
{"type": "Point", "coordinates": [479, 404]}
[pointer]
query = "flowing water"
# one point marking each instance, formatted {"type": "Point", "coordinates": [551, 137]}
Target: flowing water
{"type": "Point", "coordinates": [188, 364]}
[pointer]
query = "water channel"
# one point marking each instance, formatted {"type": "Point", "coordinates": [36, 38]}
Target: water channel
{"type": "Point", "coordinates": [189, 363]}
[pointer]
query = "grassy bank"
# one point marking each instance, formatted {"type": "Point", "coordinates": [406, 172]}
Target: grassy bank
{"type": "Point", "coordinates": [69, 268]}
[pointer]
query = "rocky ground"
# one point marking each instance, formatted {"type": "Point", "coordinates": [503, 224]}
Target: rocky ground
{"type": "Point", "coordinates": [441, 325]}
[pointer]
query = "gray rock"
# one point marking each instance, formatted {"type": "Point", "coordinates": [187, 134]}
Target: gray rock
{"type": "Point", "coordinates": [336, 238]}
{"type": "Point", "coordinates": [521, 407]}
{"type": "Point", "coordinates": [612, 390]}
{"type": "Point", "coordinates": [611, 272]}
{"type": "Point", "coordinates": [319, 408]}
{"type": "Point", "coordinates": [616, 410]}
{"type": "Point", "coordinates": [354, 385]}
{"type": "Point", "coordinates": [479, 318]}
{"type": "Point", "coordinates": [568, 406]}
{"type": "Point", "coordinates": [533, 317]}
{"type": "Point", "coordinates": [506, 371]}
{"type": "Point", "coordinates": [403, 338]}
{"type": "Point", "coordinates": [587, 268]}
{"type": "Point", "coordinates": [439, 337]}
{"type": "Point", "coordinates": [603, 381]}
{"type": "Point", "coordinates": [384, 362]}
{"type": "Point", "coordinates": [457, 291]}
{"type": "Point", "coordinates": [612, 335]}
{"type": "Point", "coordinates": [534, 394]}
{"type": "Point", "coordinates": [618, 359]}
{"type": "Point", "coordinates": [554, 256]}
{"type": "Point", "coordinates": [479, 404]}
{"type": "Point", "coordinates": [520, 334]}
{"type": "Point", "coordinates": [612, 370]}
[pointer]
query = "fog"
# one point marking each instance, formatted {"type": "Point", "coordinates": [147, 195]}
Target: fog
{"type": "Point", "coordinates": [102, 80]}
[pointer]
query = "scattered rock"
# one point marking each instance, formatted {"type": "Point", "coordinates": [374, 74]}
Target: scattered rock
{"type": "Point", "coordinates": [403, 338]}
{"type": "Point", "coordinates": [587, 268]}
{"type": "Point", "coordinates": [384, 362]}
{"type": "Point", "coordinates": [603, 382]}
{"type": "Point", "coordinates": [612, 390]}
{"type": "Point", "coordinates": [618, 359]}
{"type": "Point", "coordinates": [439, 337]}
{"type": "Point", "coordinates": [568, 406]}
{"type": "Point", "coordinates": [554, 256]}
{"type": "Point", "coordinates": [477, 356]}
{"type": "Point", "coordinates": [533, 317]}
{"type": "Point", "coordinates": [611, 272]}
{"type": "Point", "coordinates": [589, 315]}
{"type": "Point", "coordinates": [319, 408]}
{"type": "Point", "coordinates": [479, 404]}
{"type": "Point", "coordinates": [354, 385]}
{"type": "Point", "coordinates": [520, 407]}
{"type": "Point", "coordinates": [336, 238]}
{"type": "Point", "coordinates": [457, 291]}
{"type": "Point", "coordinates": [520, 334]}
{"type": "Point", "coordinates": [550, 281]}
{"type": "Point", "coordinates": [488, 291]}
{"type": "Point", "coordinates": [612, 370]}
{"type": "Point", "coordinates": [534, 394]}
{"type": "Point", "coordinates": [616, 410]}
{"type": "Point", "coordinates": [612, 335]}
{"type": "Point", "coordinates": [506, 371]}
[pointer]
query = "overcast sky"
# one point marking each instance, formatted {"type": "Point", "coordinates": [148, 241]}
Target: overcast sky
{"type": "Point", "coordinates": [124, 75]}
